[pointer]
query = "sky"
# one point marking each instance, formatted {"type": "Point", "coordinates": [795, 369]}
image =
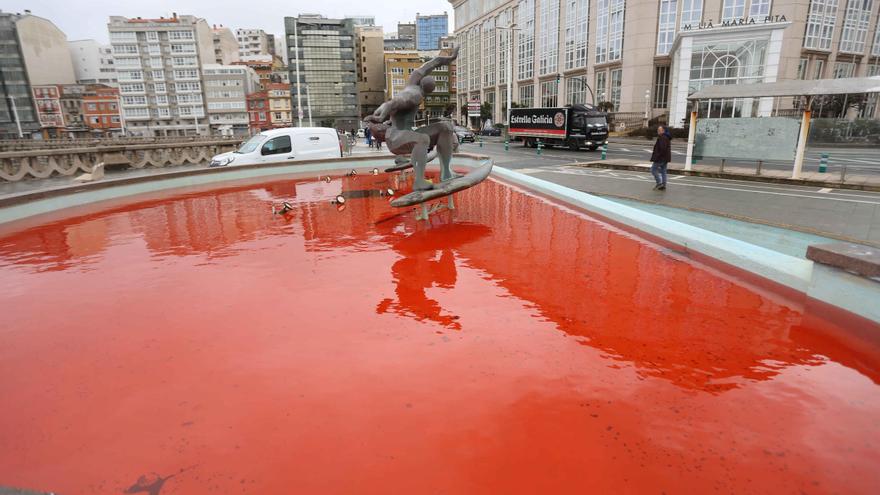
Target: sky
{"type": "Point", "coordinates": [87, 19]}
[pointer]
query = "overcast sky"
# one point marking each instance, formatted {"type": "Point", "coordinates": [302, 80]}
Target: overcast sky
{"type": "Point", "coordinates": [83, 19]}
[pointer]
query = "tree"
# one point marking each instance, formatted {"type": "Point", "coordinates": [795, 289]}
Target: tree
{"type": "Point", "coordinates": [485, 111]}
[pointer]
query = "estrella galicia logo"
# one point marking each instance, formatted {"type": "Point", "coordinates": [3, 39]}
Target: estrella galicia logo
{"type": "Point", "coordinates": [559, 119]}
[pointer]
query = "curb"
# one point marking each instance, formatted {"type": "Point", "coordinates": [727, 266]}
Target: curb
{"type": "Point", "coordinates": [727, 175]}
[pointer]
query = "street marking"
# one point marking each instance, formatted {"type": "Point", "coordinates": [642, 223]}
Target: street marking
{"type": "Point", "coordinates": [825, 190]}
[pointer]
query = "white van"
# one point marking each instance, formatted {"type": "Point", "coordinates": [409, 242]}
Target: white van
{"type": "Point", "coordinates": [281, 145]}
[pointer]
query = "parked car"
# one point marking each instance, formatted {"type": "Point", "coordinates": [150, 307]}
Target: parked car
{"type": "Point", "coordinates": [464, 134]}
{"type": "Point", "coordinates": [280, 145]}
{"type": "Point", "coordinates": [490, 131]}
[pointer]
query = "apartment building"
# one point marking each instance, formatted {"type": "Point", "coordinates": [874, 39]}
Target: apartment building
{"type": "Point", "coordinates": [322, 59]}
{"type": "Point", "coordinates": [226, 90]}
{"type": "Point", "coordinates": [370, 61]}
{"type": "Point", "coordinates": [92, 62]}
{"type": "Point", "coordinates": [400, 65]}
{"type": "Point", "coordinates": [280, 106]}
{"type": "Point", "coordinates": [258, 111]}
{"type": "Point", "coordinates": [252, 42]}
{"type": "Point", "coordinates": [648, 55]}
{"type": "Point", "coordinates": [269, 68]}
{"type": "Point", "coordinates": [158, 63]}
{"type": "Point", "coordinates": [101, 110]}
{"type": "Point", "coordinates": [429, 30]}
{"type": "Point", "coordinates": [18, 115]}
{"type": "Point", "coordinates": [225, 45]}
{"type": "Point", "coordinates": [47, 98]}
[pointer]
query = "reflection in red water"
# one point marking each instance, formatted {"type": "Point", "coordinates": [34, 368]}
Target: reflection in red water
{"type": "Point", "coordinates": [509, 346]}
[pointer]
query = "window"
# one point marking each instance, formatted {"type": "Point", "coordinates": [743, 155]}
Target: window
{"type": "Point", "coordinates": [186, 74]}
{"type": "Point", "coordinates": [577, 20]}
{"type": "Point", "coordinates": [160, 87]}
{"type": "Point", "coordinates": [92, 107]}
{"type": "Point", "coordinates": [820, 24]}
{"type": "Point", "coordinates": [158, 75]}
{"type": "Point", "coordinates": [609, 30]}
{"type": "Point", "coordinates": [130, 75]}
{"type": "Point", "coordinates": [180, 35]}
{"type": "Point", "coordinates": [274, 146]}
{"type": "Point", "coordinates": [123, 36]}
{"type": "Point", "coordinates": [152, 36]}
{"type": "Point", "coordinates": [278, 115]}
{"type": "Point", "coordinates": [526, 46]}
{"type": "Point", "coordinates": [474, 57]}
{"type": "Point", "coordinates": [661, 86]}
{"type": "Point", "coordinates": [575, 91]}
{"type": "Point", "coordinates": [489, 42]}
{"type": "Point", "coordinates": [876, 50]}
{"type": "Point", "coordinates": [125, 49]}
{"type": "Point", "coordinates": [397, 70]}
{"type": "Point", "coordinates": [691, 13]}
{"type": "Point", "coordinates": [802, 68]}
{"type": "Point", "coordinates": [131, 88]}
{"type": "Point", "coordinates": [873, 70]}
{"type": "Point", "coordinates": [844, 69]}
{"type": "Point", "coordinates": [818, 69]}
{"type": "Point", "coordinates": [183, 48]}
{"type": "Point", "coordinates": [733, 9]}
{"type": "Point", "coordinates": [526, 95]}
{"type": "Point", "coordinates": [548, 43]}
{"type": "Point", "coordinates": [616, 80]}
{"type": "Point", "coordinates": [549, 93]}
{"type": "Point", "coordinates": [666, 26]}
{"type": "Point", "coordinates": [600, 89]}
{"type": "Point", "coordinates": [95, 120]}
{"type": "Point", "coordinates": [855, 26]}
{"type": "Point", "coordinates": [759, 8]}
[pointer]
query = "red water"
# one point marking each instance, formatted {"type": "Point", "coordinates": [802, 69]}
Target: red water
{"type": "Point", "coordinates": [201, 345]}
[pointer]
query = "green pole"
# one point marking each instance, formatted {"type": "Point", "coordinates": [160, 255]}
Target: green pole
{"type": "Point", "coordinates": [539, 148]}
{"type": "Point", "coordinates": [604, 149]}
{"type": "Point", "coordinates": [480, 139]}
{"type": "Point", "coordinates": [823, 163]}
{"type": "Point", "coordinates": [506, 145]}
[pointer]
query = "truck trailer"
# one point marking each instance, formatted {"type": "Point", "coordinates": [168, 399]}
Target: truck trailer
{"type": "Point", "coordinates": [574, 126]}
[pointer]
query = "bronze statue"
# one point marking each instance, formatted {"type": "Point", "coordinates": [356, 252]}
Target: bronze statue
{"type": "Point", "coordinates": [403, 140]}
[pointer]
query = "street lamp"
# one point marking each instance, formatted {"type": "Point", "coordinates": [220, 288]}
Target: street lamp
{"type": "Point", "coordinates": [510, 28]}
{"type": "Point", "coordinates": [647, 102]}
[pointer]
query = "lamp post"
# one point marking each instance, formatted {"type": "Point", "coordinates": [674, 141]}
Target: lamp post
{"type": "Point", "coordinates": [512, 29]}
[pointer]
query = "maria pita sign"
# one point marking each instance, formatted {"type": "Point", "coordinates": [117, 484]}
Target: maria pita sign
{"type": "Point", "coordinates": [744, 21]}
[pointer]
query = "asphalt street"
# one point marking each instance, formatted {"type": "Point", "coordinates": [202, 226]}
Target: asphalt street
{"type": "Point", "coordinates": [855, 160]}
{"type": "Point", "coordinates": [843, 214]}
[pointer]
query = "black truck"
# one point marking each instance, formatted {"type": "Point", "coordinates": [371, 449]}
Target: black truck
{"type": "Point", "coordinates": [574, 126]}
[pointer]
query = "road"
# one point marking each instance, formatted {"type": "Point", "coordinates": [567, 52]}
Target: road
{"type": "Point", "coordinates": [855, 160]}
{"type": "Point", "coordinates": [843, 214]}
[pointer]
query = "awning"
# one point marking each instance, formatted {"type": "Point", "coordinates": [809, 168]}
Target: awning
{"type": "Point", "coordinates": [813, 87]}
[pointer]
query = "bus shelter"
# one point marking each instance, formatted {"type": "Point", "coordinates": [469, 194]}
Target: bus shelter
{"type": "Point", "coordinates": [718, 127]}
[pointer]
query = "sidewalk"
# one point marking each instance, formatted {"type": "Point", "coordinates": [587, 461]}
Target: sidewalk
{"type": "Point", "coordinates": [814, 179]}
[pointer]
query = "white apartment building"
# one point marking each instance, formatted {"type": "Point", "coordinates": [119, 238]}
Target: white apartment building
{"type": "Point", "coordinates": [158, 64]}
{"type": "Point", "coordinates": [648, 55]}
{"type": "Point", "coordinates": [252, 42]}
{"type": "Point", "coordinates": [92, 62]}
{"type": "Point", "coordinates": [226, 89]}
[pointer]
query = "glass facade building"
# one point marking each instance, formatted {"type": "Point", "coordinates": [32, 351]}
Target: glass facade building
{"type": "Point", "coordinates": [14, 86]}
{"type": "Point", "coordinates": [645, 56]}
{"type": "Point", "coordinates": [429, 30]}
{"type": "Point", "coordinates": [323, 52]}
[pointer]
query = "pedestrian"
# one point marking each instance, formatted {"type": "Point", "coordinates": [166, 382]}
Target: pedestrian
{"type": "Point", "coordinates": [369, 136]}
{"type": "Point", "coordinates": [661, 157]}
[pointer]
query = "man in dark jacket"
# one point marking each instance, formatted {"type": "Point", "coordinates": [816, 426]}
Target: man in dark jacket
{"type": "Point", "coordinates": [661, 157]}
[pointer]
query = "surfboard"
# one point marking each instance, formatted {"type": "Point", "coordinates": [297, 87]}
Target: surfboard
{"type": "Point", "coordinates": [446, 188]}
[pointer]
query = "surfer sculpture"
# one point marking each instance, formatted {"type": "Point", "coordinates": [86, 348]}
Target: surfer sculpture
{"type": "Point", "coordinates": [396, 119]}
